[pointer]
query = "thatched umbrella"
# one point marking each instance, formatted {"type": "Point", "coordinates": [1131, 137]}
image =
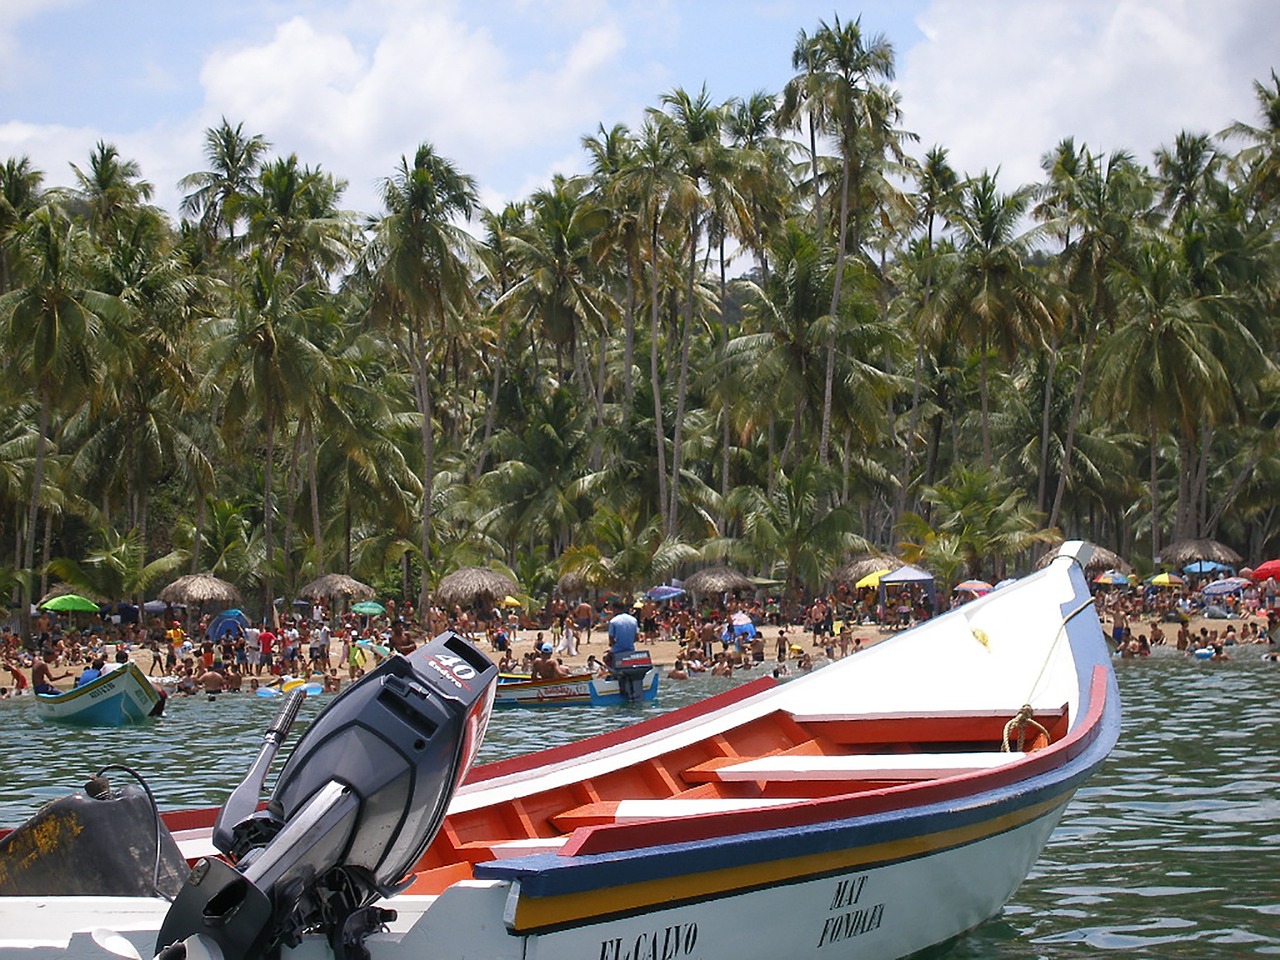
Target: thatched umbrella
{"type": "Point", "coordinates": [1102, 559]}
{"type": "Point", "coordinates": [199, 589]}
{"type": "Point", "coordinates": [854, 569]}
{"type": "Point", "coordinates": [334, 585]}
{"type": "Point", "coordinates": [570, 584]}
{"type": "Point", "coordinates": [716, 580]}
{"type": "Point", "coordinates": [469, 586]}
{"type": "Point", "coordinates": [1183, 552]}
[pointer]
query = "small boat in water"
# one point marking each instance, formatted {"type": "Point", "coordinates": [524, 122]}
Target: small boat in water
{"type": "Point", "coordinates": [875, 808]}
{"type": "Point", "coordinates": [634, 681]}
{"type": "Point", "coordinates": [120, 695]}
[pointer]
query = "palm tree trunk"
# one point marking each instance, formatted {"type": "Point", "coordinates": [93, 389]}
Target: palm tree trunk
{"type": "Point", "coordinates": [290, 498]}
{"type": "Point", "coordinates": [422, 387]}
{"type": "Point", "coordinates": [1045, 419]}
{"type": "Point", "coordinates": [658, 431]}
{"type": "Point", "coordinates": [985, 392]}
{"type": "Point", "coordinates": [828, 381]}
{"type": "Point", "coordinates": [268, 508]}
{"type": "Point", "coordinates": [725, 436]}
{"type": "Point", "coordinates": [629, 339]}
{"type": "Point", "coordinates": [33, 512]}
{"type": "Point", "coordinates": [489, 415]}
{"type": "Point", "coordinates": [682, 385]}
{"type": "Point", "coordinates": [317, 531]}
{"type": "Point", "coordinates": [1155, 490]}
{"type": "Point", "coordinates": [1077, 401]}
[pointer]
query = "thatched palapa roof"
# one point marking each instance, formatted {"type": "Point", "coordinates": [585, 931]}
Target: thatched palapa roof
{"type": "Point", "coordinates": [1102, 560]}
{"type": "Point", "coordinates": [334, 585]}
{"type": "Point", "coordinates": [200, 588]}
{"type": "Point", "coordinates": [470, 585]}
{"type": "Point", "coordinates": [1189, 551]}
{"type": "Point", "coordinates": [855, 568]}
{"type": "Point", "coordinates": [716, 580]}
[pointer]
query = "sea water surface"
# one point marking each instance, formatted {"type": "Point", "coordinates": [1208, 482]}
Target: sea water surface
{"type": "Point", "coordinates": [1172, 850]}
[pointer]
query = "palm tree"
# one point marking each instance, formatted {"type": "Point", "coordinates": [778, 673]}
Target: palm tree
{"type": "Point", "coordinates": [48, 324]}
{"type": "Point", "coordinates": [1109, 210]}
{"type": "Point", "coordinates": [19, 196]}
{"type": "Point", "coordinates": [218, 195]}
{"type": "Point", "coordinates": [109, 188]}
{"type": "Point", "coordinates": [420, 260]}
{"type": "Point", "coordinates": [861, 117]}
{"type": "Point", "coordinates": [993, 300]}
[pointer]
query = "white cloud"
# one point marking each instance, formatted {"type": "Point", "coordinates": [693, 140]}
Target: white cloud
{"type": "Point", "coordinates": [999, 84]}
{"type": "Point", "coordinates": [312, 88]}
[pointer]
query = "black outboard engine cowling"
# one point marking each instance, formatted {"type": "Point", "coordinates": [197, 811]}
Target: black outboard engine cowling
{"type": "Point", "coordinates": [356, 805]}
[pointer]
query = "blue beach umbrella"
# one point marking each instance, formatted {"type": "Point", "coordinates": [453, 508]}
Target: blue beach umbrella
{"type": "Point", "coordinates": [663, 592]}
{"type": "Point", "coordinates": [1205, 566]}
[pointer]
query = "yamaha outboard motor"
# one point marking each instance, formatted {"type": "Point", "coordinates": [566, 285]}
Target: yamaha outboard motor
{"type": "Point", "coordinates": [631, 668]}
{"type": "Point", "coordinates": [356, 805]}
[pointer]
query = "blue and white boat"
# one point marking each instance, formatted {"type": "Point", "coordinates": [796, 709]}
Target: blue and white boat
{"type": "Point", "coordinates": [121, 695]}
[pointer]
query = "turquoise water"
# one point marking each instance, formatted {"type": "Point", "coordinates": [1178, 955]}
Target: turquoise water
{"type": "Point", "coordinates": [1171, 851]}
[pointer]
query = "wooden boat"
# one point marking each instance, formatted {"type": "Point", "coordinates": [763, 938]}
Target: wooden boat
{"type": "Point", "coordinates": [874, 808]}
{"type": "Point", "coordinates": [121, 695]}
{"type": "Point", "coordinates": [578, 689]}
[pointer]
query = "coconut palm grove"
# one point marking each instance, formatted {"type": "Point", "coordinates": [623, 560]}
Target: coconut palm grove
{"type": "Point", "coordinates": [772, 331]}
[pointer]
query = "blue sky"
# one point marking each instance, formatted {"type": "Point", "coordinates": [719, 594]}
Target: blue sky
{"type": "Point", "coordinates": [507, 89]}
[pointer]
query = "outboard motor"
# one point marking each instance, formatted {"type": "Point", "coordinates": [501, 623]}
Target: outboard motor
{"type": "Point", "coordinates": [360, 798]}
{"type": "Point", "coordinates": [631, 668]}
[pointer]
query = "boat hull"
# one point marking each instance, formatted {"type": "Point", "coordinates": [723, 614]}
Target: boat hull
{"type": "Point", "coordinates": [118, 697]}
{"type": "Point", "coordinates": [580, 690]}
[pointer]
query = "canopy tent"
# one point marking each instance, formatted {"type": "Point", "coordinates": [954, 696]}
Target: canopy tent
{"type": "Point", "coordinates": [907, 575]}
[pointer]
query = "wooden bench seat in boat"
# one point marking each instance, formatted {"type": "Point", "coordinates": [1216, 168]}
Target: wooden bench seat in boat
{"type": "Point", "coordinates": [941, 726]}
{"type": "Point", "coordinates": [856, 766]}
{"type": "Point", "coordinates": [633, 811]}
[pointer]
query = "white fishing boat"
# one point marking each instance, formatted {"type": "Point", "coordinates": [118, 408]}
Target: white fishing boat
{"type": "Point", "coordinates": [877, 807]}
{"type": "Point", "coordinates": [120, 695]}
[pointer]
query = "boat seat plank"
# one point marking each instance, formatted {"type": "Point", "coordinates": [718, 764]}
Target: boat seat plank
{"type": "Point", "coordinates": [942, 726]}
{"type": "Point", "coordinates": [478, 850]}
{"type": "Point", "coordinates": [634, 811]}
{"type": "Point", "coordinates": [862, 766]}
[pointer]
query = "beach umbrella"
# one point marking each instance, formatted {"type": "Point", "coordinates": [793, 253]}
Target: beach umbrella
{"type": "Point", "coordinates": [1005, 582]}
{"type": "Point", "coordinates": [1166, 580]}
{"type": "Point", "coordinates": [468, 586]}
{"type": "Point", "coordinates": [1205, 566]}
{"type": "Point", "coordinates": [70, 603]}
{"type": "Point", "coordinates": [1265, 571]}
{"type": "Point", "coordinates": [716, 580]}
{"type": "Point", "coordinates": [663, 592]}
{"type": "Point", "coordinates": [1186, 551]}
{"type": "Point", "coordinates": [973, 586]}
{"type": "Point", "coordinates": [335, 585]}
{"type": "Point", "coordinates": [368, 608]}
{"type": "Point", "coordinates": [1220, 588]}
{"type": "Point", "coordinates": [510, 601]}
{"type": "Point", "coordinates": [1113, 578]}
{"type": "Point", "coordinates": [871, 579]}
{"type": "Point", "coordinates": [200, 588]}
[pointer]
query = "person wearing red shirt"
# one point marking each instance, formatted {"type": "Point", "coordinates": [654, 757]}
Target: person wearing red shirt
{"type": "Point", "coordinates": [266, 644]}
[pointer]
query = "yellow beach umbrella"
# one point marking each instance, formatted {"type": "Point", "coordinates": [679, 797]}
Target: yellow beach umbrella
{"type": "Point", "coordinates": [871, 579]}
{"type": "Point", "coordinates": [1166, 580]}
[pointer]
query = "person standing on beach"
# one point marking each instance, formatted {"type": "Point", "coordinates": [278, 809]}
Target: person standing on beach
{"type": "Point", "coordinates": [582, 614]}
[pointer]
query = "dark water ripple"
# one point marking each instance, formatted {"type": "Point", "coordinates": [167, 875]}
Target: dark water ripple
{"type": "Point", "coordinates": [1172, 851]}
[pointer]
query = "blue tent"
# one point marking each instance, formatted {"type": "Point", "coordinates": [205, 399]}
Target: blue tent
{"type": "Point", "coordinates": [226, 622]}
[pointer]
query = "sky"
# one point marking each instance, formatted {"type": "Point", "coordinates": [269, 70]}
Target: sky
{"type": "Point", "coordinates": [507, 88]}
